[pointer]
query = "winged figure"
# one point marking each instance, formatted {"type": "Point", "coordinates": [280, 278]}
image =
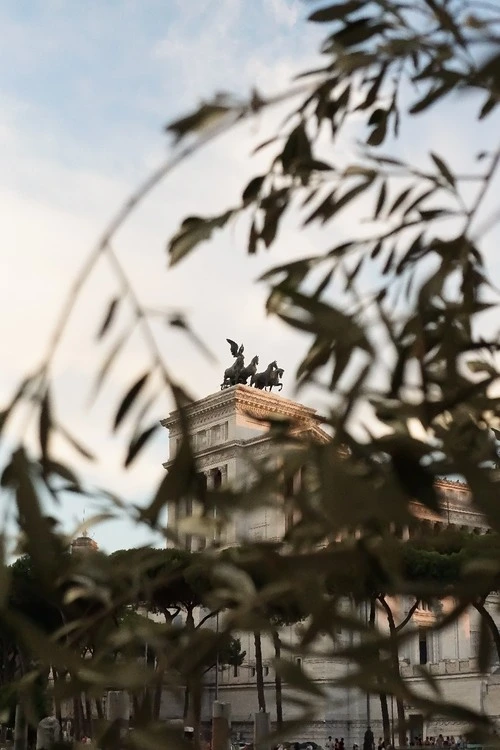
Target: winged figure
{"type": "Point", "coordinates": [232, 374]}
{"type": "Point", "coordinates": [236, 350]}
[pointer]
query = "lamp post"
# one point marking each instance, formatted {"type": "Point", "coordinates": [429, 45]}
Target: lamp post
{"type": "Point", "coordinates": [368, 707]}
{"type": "Point", "coordinates": [217, 659]}
{"type": "Point", "coordinates": [392, 720]}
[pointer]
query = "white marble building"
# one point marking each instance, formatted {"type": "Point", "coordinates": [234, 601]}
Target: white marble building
{"type": "Point", "coordinates": [228, 431]}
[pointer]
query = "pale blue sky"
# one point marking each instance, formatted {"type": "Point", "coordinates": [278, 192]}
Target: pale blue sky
{"type": "Point", "coordinates": [107, 73]}
{"type": "Point", "coordinates": [85, 90]}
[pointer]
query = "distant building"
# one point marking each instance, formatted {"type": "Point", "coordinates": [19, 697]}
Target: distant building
{"type": "Point", "coordinates": [83, 544]}
{"type": "Point", "coordinates": [230, 432]}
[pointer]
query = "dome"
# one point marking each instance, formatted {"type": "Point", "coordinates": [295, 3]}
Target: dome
{"type": "Point", "coordinates": [83, 544]}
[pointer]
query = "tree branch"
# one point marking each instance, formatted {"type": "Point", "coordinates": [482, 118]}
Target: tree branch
{"type": "Point", "coordinates": [480, 607]}
{"type": "Point", "coordinates": [233, 117]}
{"type": "Point", "coordinates": [207, 617]}
{"type": "Point", "coordinates": [483, 190]}
{"type": "Point", "coordinates": [408, 617]}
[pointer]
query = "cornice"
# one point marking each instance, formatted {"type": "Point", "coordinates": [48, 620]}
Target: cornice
{"type": "Point", "coordinates": [258, 406]}
{"type": "Point", "coordinates": [242, 398]}
{"type": "Point", "coordinates": [262, 405]}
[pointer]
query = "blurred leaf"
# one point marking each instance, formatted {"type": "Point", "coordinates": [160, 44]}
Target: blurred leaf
{"type": "Point", "coordinates": [77, 445]}
{"type": "Point", "coordinates": [5, 575]}
{"type": "Point", "coordinates": [113, 353]}
{"type": "Point", "coordinates": [276, 205]}
{"type": "Point", "coordinates": [45, 424]}
{"type": "Point", "coordinates": [129, 399]}
{"type": "Point", "coordinates": [377, 136]}
{"type": "Point", "coordinates": [356, 32]}
{"type": "Point", "coordinates": [18, 396]}
{"type": "Point", "coordinates": [252, 190]}
{"type": "Point", "coordinates": [374, 89]}
{"type": "Point", "coordinates": [297, 149]}
{"type": "Point", "coordinates": [178, 321]}
{"type": "Point", "coordinates": [293, 674]}
{"type": "Point", "coordinates": [419, 199]}
{"type": "Point", "coordinates": [138, 442]}
{"type": "Point", "coordinates": [40, 543]}
{"type": "Point", "coordinates": [432, 96]}
{"type": "Point", "coordinates": [109, 317]}
{"type": "Point", "coordinates": [61, 470]}
{"type": "Point", "coordinates": [176, 484]}
{"type": "Point", "coordinates": [381, 199]}
{"type": "Point", "coordinates": [193, 231]}
{"type": "Point", "coordinates": [335, 12]}
{"type": "Point", "coordinates": [403, 195]}
{"type": "Point", "coordinates": [489, 105]}
{"type": "Point", "coordinates": [264, 145]}
{"type": "Point", "coordinates": [207, 115]}
{"type": "Point", "coordinates": [253, 239]}
{"type": "Point", "coordinates": [444, 169]}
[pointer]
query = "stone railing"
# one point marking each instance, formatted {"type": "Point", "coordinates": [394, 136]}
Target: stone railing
{"type": "Point", "coordinates": [443, 667]}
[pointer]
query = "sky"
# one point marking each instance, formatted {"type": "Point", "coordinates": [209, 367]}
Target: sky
{"type": "Point", "coordinates": [85, 92]}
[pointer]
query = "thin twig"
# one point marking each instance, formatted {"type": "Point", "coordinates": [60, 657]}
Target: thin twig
{"type": "Point", "coordinates": [139, 312]}
{"type": "Point", "coordinates": [482, 191]}
{"type": "Point", "coordinates": [230, 120]}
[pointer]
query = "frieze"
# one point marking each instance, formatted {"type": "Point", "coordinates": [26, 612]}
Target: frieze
{"type": "Point", "coordinates": [202, 410]}
{"type": "Point", "coordinates": [214, 459]}
{"type": "Point", "coordinates": [223, 412]}
{"type": "Point", "coordinates": [237, 451]}
{"type": "Point", "coordinates": [256, 448]}
{"type": "Point", "coordinates": [221, 454]}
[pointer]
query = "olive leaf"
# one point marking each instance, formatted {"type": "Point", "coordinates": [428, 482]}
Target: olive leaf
{"type": "Point", "coordinates": [193, 231]}
{"type": "Point", "coordinates": [129, 399]}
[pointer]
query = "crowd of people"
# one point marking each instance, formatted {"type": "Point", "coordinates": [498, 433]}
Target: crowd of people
{"type": "Point", "coordinates": [454, 743]}
{"type": "Point", "coordinates": [439, 741]}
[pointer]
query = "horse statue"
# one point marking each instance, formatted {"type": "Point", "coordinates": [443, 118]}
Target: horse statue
{"type": "Point", "coordinates": [262, 380]}
{"type": "Point", "coordinates": [232, 374]}
{"type": "Point", "coordinates": [248, 371]}
{"type": "Point", "coordinates": [275, 379]}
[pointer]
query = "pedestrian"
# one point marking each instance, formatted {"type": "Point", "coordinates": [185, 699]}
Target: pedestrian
{"type": "Point", "coordinates": [329, 743]}
{"type": "Point", "coordinates": [369, 740]}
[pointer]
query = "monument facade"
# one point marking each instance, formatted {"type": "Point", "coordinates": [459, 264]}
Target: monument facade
{"type": "Point", "coordinates": [230, 430]}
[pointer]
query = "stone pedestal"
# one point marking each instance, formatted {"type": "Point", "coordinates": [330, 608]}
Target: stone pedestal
{"type": "Point", "coordinates": [221, 725]}
{"type": "Point", "coordinates": [118, 712]}
{"type": "Point", "coordinates": [261, 730]}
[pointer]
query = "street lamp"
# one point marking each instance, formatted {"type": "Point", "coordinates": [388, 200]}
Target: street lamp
{"type": "Point", "coordinates": [217, 658]}
{"type": "Point", "coordinates": [392, 720]}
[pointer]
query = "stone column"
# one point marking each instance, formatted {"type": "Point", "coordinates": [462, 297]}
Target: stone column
{"type": "Point", "coordinates": [261, 730]}
{"type": "Point", "coordinates": [221, 724]}
{"type": "Point", "coordinates": [20, 729]}
{"type": "Point", "coordinates": [118, 712]}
